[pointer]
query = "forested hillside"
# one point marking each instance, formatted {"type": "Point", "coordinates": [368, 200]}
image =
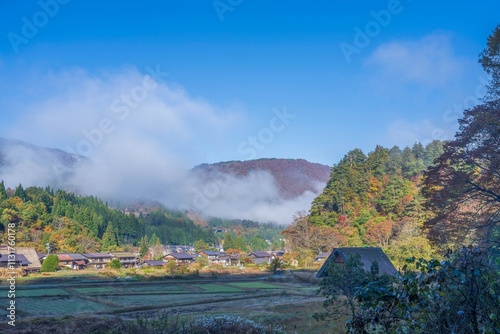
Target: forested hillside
{"type": "Point", "coordinates": [369, 202]}
{"type": "Point", "coordinates": [372, 199]}
{"type": "Point", "coordinates": [384, 183]}
{"type": "Point", "coordinates": [247, 235]}
{"type": "Point", "coordinates": [71, 223]}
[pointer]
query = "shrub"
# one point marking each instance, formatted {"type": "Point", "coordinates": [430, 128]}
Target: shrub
{"type": "Point", "coordinates": [220, 324]}
{"type": "Point", "coordinates": [114, 264]}
{"type": "Point", "coordinates": [171, 268]}
{"type": "Point", "coordinates": [162, 324]}
{"type": "Point", "coordinates": [202, 261]}
{"type": "Point", "coordinates": [183, 269]}
{"type": "Point", "coordinates": [132, 272]}
{"type": "Point", "coordinates": [229, 324]}
{"type": "Point", "coordinates": [275, 265]}
{"type": "Point", "coordinates": [50, 264]}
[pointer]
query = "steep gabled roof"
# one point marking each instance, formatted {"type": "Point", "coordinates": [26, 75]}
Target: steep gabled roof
{"type": "Point", "coordinates": [97, 255]}
{"type": "Point", "coordinates": [210, 253]}
{"type": "Point", "coordinates": [182, 256]}
{"type": "Point", "coordinates": [123, 254]}
{"type": "Point", "coordinates": [18, 258]}
{"type": "Point", "coordinates": [260, 254]}
{"type": "Point", "coordinates": [323, 255]}
{"type": "Point", "coordinates": [29, 254]}
{"type": "Point", "coordinates": [77, 257]}
{"type": "Point", "coordinates": [367, 255]}
{"type": "Point", "coordinates": [64, 257]}
{"type": "Point", "coordinates": [32, 256]}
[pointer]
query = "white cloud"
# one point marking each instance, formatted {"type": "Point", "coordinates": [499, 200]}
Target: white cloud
{"type": "Point", "coordinates": [254, 196]}
{"type": "Point", "coordinates": [139, 147]}
{"type": "Point", "coordinates": [428, 61]}
{"type": "Point", "coordinates": [73, 103]}
{"type": "Point", "coordinates": [140, 134]}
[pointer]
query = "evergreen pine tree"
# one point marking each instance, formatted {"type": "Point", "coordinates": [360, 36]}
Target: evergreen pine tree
{"type": "Point", "coordinates": [108, 240]}
{"type": "Point", "coordinates": [20, 193]}
{"type": "Point", "coordinates": [155, 241]}
{"type": "Point", "coordinates": [3, 192]}
{"type": "Point", "coordinates": [228, 241]}
{"type": "Point", "coordinates": [144, 246]}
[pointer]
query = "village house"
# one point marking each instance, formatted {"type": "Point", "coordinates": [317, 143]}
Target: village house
{"type": "Point", "coordinates": [32, 256]}
{"type": "Point", "coordinates": [98, 260]}
{"type": "Point", "coordinates": [210, 255]}
{"type": "Point", "coordinates": [180, 258]}
{"type": "Point", "coordinates": [27, 260]}
{"type": "Point", "coordinates": [153, 263]}
{"type": "Point", "coordinates": [17, 261]}
{"type": "Point", "coordinates": [367, 255]}
{"type": "Point", "coordinates": [322, 256]}
{"type": "Point", "coordinates": [65, 260]}
{"type": "Point", "coordinates": [41, 256]}
{"type": "Point", "coordinates": [72, 260]}
{"type": "Point", "coordinates": [234, 260]}
{"type": "Point", "coordinates": [219, 230]}
{"type": "Point", "coordinates": [126, 259]}
{"type": "Point", "coordinates": [169, 249]}
{"type": "Point", "coordinates": [220, 258]}
{"type": "Point", "coordinates": [79, 261]}
{"type": "Point", "coordinates": [259, 257]}
{"type": "Point", "coordinates": [229, 260]}
{"type": "Point", "coordinates": [278, 254]}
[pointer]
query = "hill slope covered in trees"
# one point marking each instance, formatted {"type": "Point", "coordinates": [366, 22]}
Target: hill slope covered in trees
{"type": "Point", "coordinates": [72, 223]}
{"type": "Point", "coordinates": [372, 199]}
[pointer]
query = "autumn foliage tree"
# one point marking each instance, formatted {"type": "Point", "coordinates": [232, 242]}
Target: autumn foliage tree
{"type": "Point", "coordinates": [490, 60]}
{"type": "Point", "coordinates": [379, 233]}
{"type": "Point", "coordinates": [303, 235]}
{"type": "Point", "coordinates": [368, 200]}
{"type": "Point", "coordinates": [464, 187]}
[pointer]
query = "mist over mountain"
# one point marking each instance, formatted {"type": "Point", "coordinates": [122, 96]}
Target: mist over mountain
{"type": "Point", "coordinates": [293, 177]}
{"type": "Point", "coordinates": [266, 190]}
{"type": "Point", "coordinates": [22, 162]}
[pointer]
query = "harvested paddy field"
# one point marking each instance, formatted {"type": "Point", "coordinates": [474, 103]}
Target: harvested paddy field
{"type": "Point", "coordinates": [94, 306]}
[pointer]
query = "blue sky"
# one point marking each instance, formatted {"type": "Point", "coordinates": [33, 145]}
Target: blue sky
{"type": "Point", "coordinates": [233, 66]}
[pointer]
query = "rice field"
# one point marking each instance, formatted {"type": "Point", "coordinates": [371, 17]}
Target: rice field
{"type": "Point", "coordinates": [218, 288]}
{"type": "Point", "coordinates": [39, 301]}
{"type": "Point", "coordinates": [57, 306]}
{"type": "Point", "coordinates": [256, 285]}
{"type": "Point", "coordinates": [261, 299]}
{"type": "Point", "coordinates": [20, 293]}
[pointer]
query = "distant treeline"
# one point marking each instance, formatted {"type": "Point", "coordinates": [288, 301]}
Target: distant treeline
{"type": "Point", "coordinates": [73, 223]}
